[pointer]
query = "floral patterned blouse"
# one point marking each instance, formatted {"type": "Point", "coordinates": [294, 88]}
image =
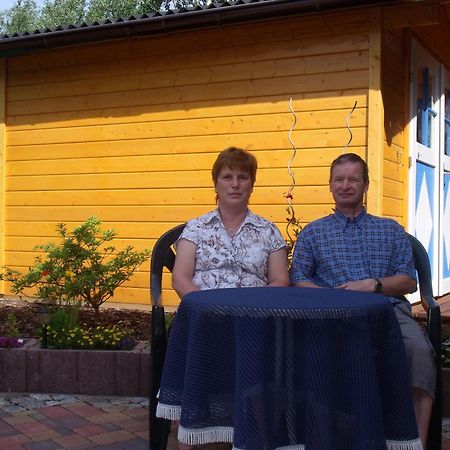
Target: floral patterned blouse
{"type": "Point", "coordinates": [223, 261]}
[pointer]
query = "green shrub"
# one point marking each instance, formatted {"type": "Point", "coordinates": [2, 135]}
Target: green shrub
{"type": "Point", "coordinates": [80, 268]}
{"type": "Point", "coordinates": [11, 326]}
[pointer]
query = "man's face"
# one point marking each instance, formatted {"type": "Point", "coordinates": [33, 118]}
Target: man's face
{"type": "Point", "coordinates": [348, 186]}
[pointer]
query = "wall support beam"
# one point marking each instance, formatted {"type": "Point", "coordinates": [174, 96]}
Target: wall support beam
{"type": "Point", "coordinates": [375, 114]}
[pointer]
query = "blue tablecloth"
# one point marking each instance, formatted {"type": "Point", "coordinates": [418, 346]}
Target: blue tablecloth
{"type": "Point", "coordinates": [288, 368]}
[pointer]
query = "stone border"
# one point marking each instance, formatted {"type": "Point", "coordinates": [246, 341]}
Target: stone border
{"type": "Point", "coordinates": [91, 372]}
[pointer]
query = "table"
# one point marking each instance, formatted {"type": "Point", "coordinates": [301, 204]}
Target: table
{"type": "Point", "coordinates": [288, 368]}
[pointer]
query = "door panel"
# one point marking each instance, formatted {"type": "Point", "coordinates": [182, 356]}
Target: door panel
{"type": "Point", "coordinates": [425, 209]}
{"type": "Point", "coordinates": [425, 156]}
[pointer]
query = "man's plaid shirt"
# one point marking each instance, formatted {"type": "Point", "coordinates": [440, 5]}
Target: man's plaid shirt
{"type": "Point", "coordinates": [335, 249]}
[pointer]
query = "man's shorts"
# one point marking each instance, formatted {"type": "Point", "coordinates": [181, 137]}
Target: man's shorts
{"type": "Point", "coordinates": [419, 351]}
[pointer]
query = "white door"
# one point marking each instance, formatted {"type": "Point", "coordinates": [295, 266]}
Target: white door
{"type": "Point", "coordinates": [428, 177]}
{"type": "Point", "coordinates": [444, 256]}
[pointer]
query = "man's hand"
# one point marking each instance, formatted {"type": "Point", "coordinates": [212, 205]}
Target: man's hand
{"type": "Point", "coordinates": [394, 285]}
{"type": "Point", "coordinates": [367, 285]}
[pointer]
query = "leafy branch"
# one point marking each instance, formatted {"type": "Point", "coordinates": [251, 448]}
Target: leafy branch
{"type": "Point", "coordinates": [81, 268]}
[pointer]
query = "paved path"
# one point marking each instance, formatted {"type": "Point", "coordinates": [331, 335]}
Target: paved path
{"type": "Point", "coordinates": [50, 421]}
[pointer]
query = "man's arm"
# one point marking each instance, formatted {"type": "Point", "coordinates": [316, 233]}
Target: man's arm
{"type": "Point", "coordinates": [303, 264]}
{"type": "Point", "coordinates": [308, 284]}
{"type": "Point", "coordinates": [393, 286]}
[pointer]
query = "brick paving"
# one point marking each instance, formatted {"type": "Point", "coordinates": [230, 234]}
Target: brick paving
{"type": "Point", "coordinates": [49, 421]}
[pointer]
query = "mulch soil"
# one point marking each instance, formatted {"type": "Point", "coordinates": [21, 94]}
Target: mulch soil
{"type": "Point", "coordinates": [29, 316]}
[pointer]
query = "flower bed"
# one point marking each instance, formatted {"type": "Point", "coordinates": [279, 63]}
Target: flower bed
{"type": "Point", "coordinates": [94, 372]}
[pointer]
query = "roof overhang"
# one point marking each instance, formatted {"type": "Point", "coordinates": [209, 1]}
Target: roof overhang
{"type": "Point", "coordinates": [212, 16]}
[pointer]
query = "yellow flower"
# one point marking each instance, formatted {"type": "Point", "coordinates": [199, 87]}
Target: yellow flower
{"type": "Point", "coordinates": [69, 274]}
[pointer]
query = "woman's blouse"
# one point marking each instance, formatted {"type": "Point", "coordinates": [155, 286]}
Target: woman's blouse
{"type": "Point", "coordinates": [224, 261]}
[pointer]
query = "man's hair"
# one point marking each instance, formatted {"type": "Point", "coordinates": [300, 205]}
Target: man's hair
{"type": "Point", "coordinates": [353, 158]}
{"type": "Point", "coordinates": [235, 158]}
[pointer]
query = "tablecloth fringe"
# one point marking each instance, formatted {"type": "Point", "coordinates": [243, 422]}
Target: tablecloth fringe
{"type": "Point", "coordinates": [205, 435]}
{"type": "Point", "coordinates": [170, 412]}
{"type": "Point", "coordinates": [289, 447]}
{"type": "Point", "coordinates": [404, 445]}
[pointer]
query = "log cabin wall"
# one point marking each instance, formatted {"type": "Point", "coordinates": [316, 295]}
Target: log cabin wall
{"type": "Point", "coordinates": [128, 130]}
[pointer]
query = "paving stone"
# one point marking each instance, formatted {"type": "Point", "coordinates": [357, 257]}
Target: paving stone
{"type": "Point", "coordinates": [111, 437]}
{"type": "Point", "coordinates": [108, 417]}
{"type": "Point", "coordinates": [74, 441]}
{"type": "Point", "coordinates": [41, 397]}
{"type": "Point", "coordinates": [84, 410]}
{"type": "Point", "coordinates": [43, 445]}
{"type": "Point", "coordinates": [89, 430]}
{"type": "Point", "coordinates": [3, 414]}
{"type": "Point", "coordinates": [30, 403]}
{"type": "Point", "coordinates": [13, 408]}
{"type": "Point", "coordinates": [22, 418]}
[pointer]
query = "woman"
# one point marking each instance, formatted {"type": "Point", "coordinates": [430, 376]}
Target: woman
{"type": "Point", "coordinates": [230, 246]}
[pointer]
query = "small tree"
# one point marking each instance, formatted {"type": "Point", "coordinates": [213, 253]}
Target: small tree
{"type": "Point", "coordinates": [81, 268]}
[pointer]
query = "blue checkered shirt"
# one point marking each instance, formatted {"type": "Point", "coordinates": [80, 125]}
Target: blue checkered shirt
{"type": "Point", "coordinates": [335, 250]}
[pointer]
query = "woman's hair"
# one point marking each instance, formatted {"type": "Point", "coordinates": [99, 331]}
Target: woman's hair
{"type": "Point", "coordinates": [353, 158]}
{"type": "Point", "coordinates": [235, 158]}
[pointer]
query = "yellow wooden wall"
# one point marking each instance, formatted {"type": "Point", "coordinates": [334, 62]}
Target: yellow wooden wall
{"type": "Point", "coordinates": [128, 130]}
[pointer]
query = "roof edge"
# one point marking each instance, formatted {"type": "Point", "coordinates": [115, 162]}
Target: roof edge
{"type": "Point", "coordinates": [173, 21]}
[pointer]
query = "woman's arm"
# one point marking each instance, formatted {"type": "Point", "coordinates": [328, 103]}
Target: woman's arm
{"type": "Point", "coordinates": [278, 271]}
{"type": "Point", "coordinates": [183, 270]}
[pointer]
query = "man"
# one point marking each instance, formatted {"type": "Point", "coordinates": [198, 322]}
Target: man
{"type": "Point", "coordinates": [353, 250]}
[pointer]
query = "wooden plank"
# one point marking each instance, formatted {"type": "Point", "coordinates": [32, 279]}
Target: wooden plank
{"type": "Point", "coordinates": [437, 38]}
{"type": "Point", "coordinates": [220, 108]}
{"type": "Point", "coordinates": [394, 154]}
{"type": "Point", "coordinates": [393, 208]}
{"type": "Point", "coordinates": [193, 49]}
{"type": "Point", "coordinates": [27, 244]}
{"type": "Point", "coordinates": [47, 229]}
{"type": "Point", "coordinates": [248, 70]}
{"type": "Point", "coordinates": [274, 139]}
{"type": "Point", "coordinates": [159, 180]}
{"type": "Point", "coordinates": [286, 86]}
{"type": "Point", "coordinates": [392, 170]}
{"type": "Point", "coordinates": [176, 213]}
{"type": "Point", "coordinates": [267, 158]}
{"type": "Point", "coordinates": [198, 127]}
{"type": "Point", "coordinates": [127, 197]}
{"type": "Point", "coordinates": [314, 141]}
{"type": "Point", "coordinates": [392, 189]}
{"type": "Point", "coordinates": [410, 15]}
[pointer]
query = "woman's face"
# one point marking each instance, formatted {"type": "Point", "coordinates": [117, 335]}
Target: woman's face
{"type": "Point", "coordinates": [233, 187]}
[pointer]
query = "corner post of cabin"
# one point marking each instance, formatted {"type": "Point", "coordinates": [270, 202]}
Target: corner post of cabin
{"type": "Point", "coordinates": [2, 162]}
{"type": "Point", "coordinates": [375, 130]}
